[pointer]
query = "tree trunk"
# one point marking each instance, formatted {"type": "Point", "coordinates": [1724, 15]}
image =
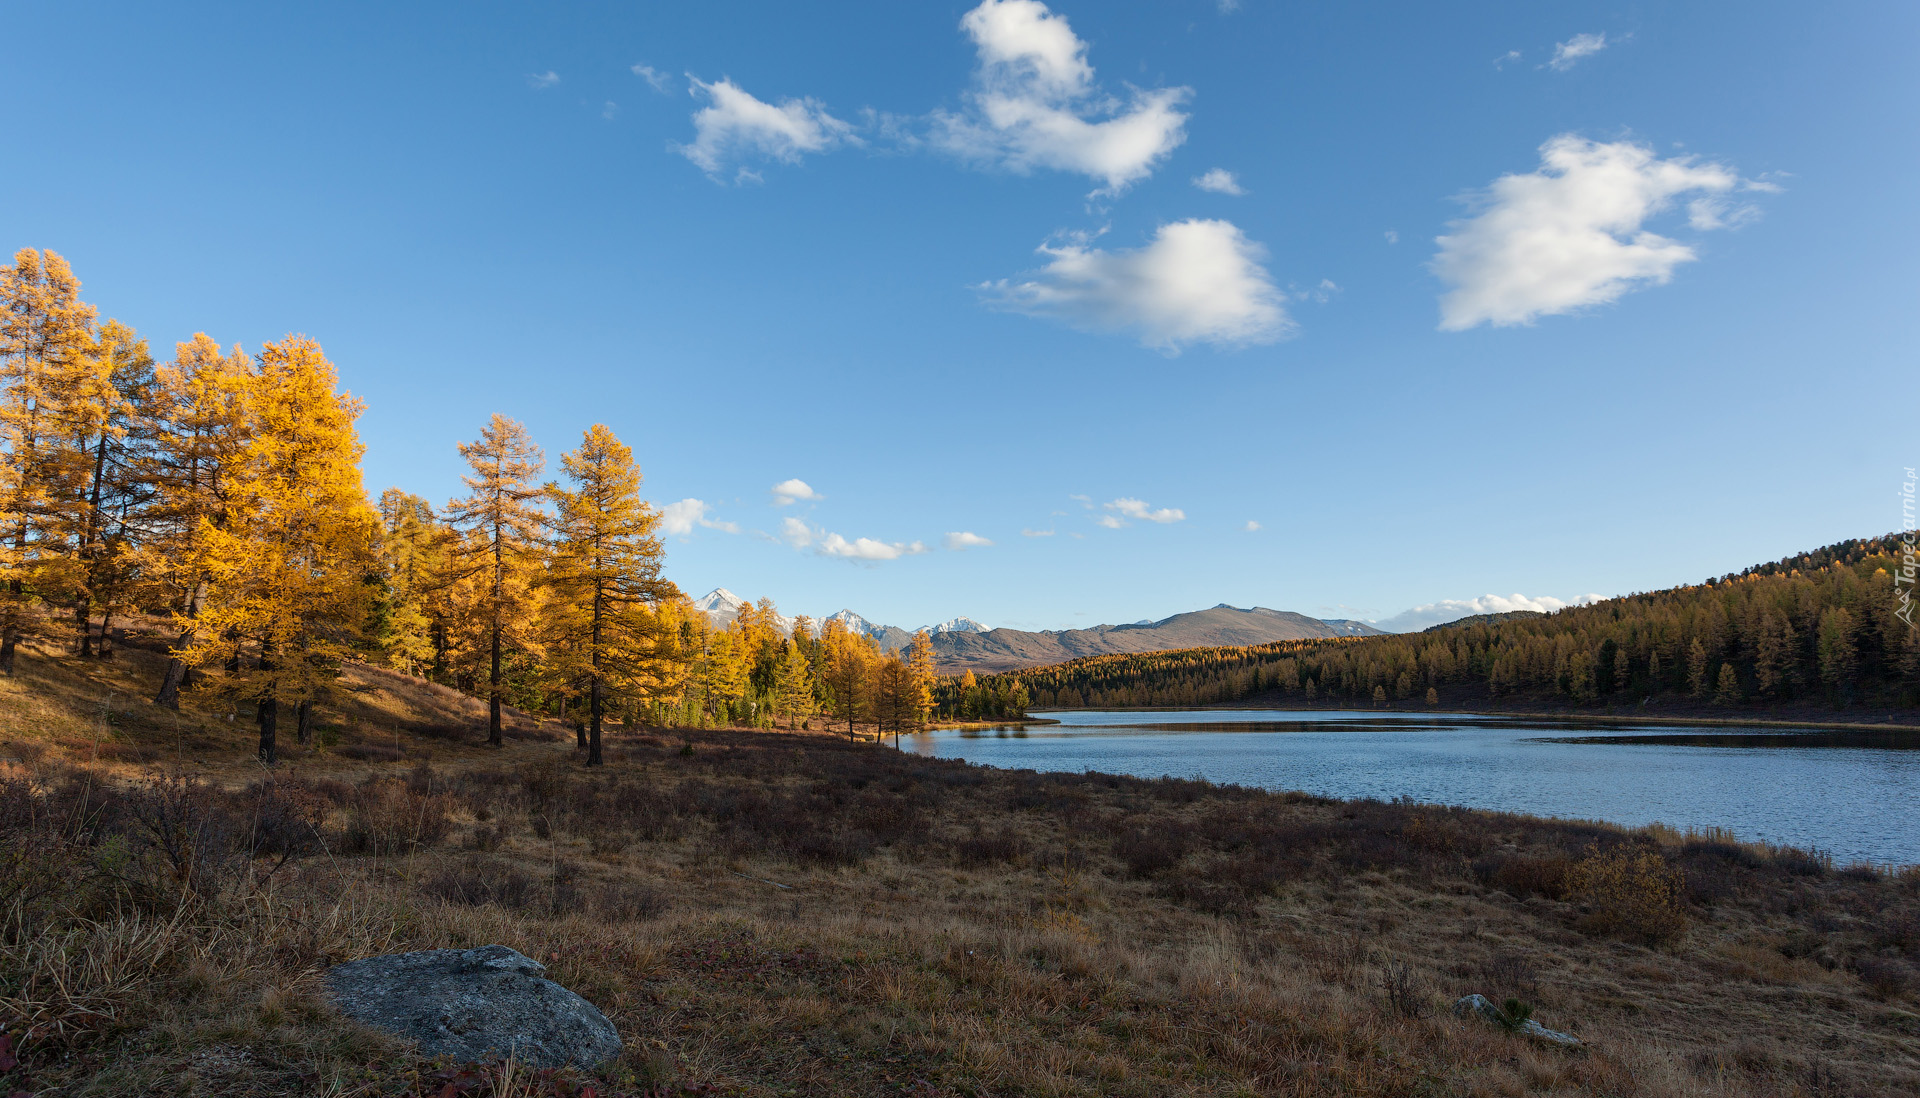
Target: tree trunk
{"type": "Point", "coordinates": [493, 692]}
{"type": "Point", "coordinates": [596, 703]}
{"type": "Point", "coordinates": [83, 606]}
{"type": "Point", "coordinates": [595, 697]}
{"type": "Point", "coordinates": [303, 728]}
{"type": "Point", "coordinates": [176, 675]}
{"type": "Point", "coordinates": [106, 626]}
{"type": "Point", "coordinates": [269, 717]}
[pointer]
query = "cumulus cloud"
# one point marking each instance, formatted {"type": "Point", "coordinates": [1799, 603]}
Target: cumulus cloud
{"type": "Point", "coordinates": [788, 491]}
{"type": "Point", "coordinates": [734, 126]}
{"type": "Point", "coordinates": [1446, 610]}
{"type": "Point", "coordinates": [1034, 103]}
{"type": "Point", "coordinates": [963, 539]}
{"type": "Point", "coordinates": [1127, 507]}
{"type": "Point", "coordinates": [1219, 181]}
{"type": "Point", "coordinates": [798, 534]}
{"type": "Point", "coordinates": [1198, 281]}
{"type": "Point", "coordinates": [680, 518]}
{"type": "Point", "coordinates": [656, 79]}
{"type": "Point", "coordinates": [1569, 53]}
{"type": "Point", "coordinates": [1571, 234]}
{"type": "Point", "coordinates": [540, 81]}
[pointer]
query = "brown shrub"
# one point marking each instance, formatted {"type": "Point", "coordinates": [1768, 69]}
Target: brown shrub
{"type": "Point", "coordinates": [385, 817]}
{"type": "Point", "coordinates": [1630, 893]}
{"type": "Point", "coordinates": [1524, 875]}
{"type": "Point", "coordinates": [983, 848]}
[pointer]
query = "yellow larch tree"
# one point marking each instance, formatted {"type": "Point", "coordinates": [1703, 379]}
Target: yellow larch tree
{"type": "Point", "coordinates": [55, 396]}
{"type": "Point", "coordinates": [201, 428]}
{"type": "Point", "coordinates": [613, 640]}
{"type": "Point", "coordinates": [920, 677]}
{"type": "Point", "coordinates": [502, 517]}
{"type": "Point", "coordinates": [413, 560]}
{"type": "Point", "coordinates": [793, 683]}
{"type": "Point", "coordinates": [289, 568]}
{"type": "Point", "coordinates": [118, 495]}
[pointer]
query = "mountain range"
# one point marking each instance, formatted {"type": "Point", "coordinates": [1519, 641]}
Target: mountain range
{"type": "Point", "coordinates": [962, 644]}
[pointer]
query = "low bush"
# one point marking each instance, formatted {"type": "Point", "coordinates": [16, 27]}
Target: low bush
{"type": "Point", "coordinates": [1629, 892]}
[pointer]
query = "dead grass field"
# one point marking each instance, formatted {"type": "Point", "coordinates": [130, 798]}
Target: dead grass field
{"type": "Point", "coordinates": [166, 909]}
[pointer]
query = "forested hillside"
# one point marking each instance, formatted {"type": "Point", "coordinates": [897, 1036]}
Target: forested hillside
{"type": "Point", "coordinates": [1820, 628]}
{"type": "Point", "coordinates": [224, 489]}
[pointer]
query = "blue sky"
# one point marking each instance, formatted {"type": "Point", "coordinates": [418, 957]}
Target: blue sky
{"type": "Point", "coordinates": [1537, 299]}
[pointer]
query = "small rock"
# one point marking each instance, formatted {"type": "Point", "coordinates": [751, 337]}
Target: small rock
{"type": "Point", "coordinates": [475, 1005]}
{"type": "Point", "coordinates": [1481, 1005]}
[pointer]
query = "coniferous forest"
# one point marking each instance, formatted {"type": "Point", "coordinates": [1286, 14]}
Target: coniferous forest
{"type": "Point", "coordinates": [1821, 628]}
{"type": "Point", "coordinates": [223, 489]}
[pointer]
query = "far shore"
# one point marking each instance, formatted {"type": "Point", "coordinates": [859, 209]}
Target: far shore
{"type": "Point", "coordinates": [1510, 714]}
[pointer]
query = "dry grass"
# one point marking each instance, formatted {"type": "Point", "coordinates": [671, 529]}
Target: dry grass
{"type": "Point", "coordinates": [947, 930]}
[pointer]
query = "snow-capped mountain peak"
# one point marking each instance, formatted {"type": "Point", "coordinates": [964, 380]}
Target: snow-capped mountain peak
{"type": "Point", "coordinates": [957, 625]}
{"type": "Point", "coordinates": [719, 600]}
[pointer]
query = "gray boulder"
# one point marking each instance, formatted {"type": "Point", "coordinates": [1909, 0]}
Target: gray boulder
{"type": "Point", "coordinates": [474, 1005]}
{"type": "Point", "coordinates": [1482, 1006]}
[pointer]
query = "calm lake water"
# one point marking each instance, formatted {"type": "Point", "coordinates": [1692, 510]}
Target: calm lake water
{"type": "Point", "coordinates": [1853, 795]}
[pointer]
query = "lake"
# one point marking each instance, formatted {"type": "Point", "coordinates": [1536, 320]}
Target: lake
{"type": "Point", "coordinates": [1852, 795]}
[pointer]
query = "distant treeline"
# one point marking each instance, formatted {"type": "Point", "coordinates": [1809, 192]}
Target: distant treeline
{"type": "Point", "coordinates": [1821, 626]}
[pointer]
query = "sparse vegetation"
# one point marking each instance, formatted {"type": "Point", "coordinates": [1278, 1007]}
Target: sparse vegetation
{"type": "Point", "coordinates": [943, 929]}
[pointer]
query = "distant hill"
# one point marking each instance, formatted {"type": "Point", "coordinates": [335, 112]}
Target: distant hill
{"type": "Point", "coordinates": [1223, 625]}
{"type": "Point", "coordinates": [963, 644]}
{"type": "Point", "coordinates": [1821, 635]}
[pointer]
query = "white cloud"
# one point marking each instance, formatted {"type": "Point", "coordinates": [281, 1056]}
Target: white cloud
{"type": "Point", "coordinates": [1251, 526]}
{"type": "Point", "coordinates": [1197, 281]}
{"type": "Point", "coordinates": [734, 126]}
{"type": "Point", "coordinates": [1567, 54]}
{"type": "Point", "coordinates": [1446, 610]}
{"type": "Point", "coordinates": [1219, 181]}
{"type": "Point", "coordinates": [1228, 7]}
{"type": "Point", "coordinates": [1036, 533]}
{"type": "Point", "coordinates": [963, 539]}
{"type": "Point", "coordinates": [680, 518]}
{"type": "Point", "coordinates": [540, 81]}
{"type": "Point", "coordinates": [1034, 103]}
{"type": "Point", "coordinates": [798, 534]}
{"type": "Point", "coordinates": [833, 545]}
{"type": "Point", "coordinates": [1128, 507]}
{"type": "Point", "coordinates": [658, 80]}
{"type": "Point", "coordinates": [1504, 59]}
{"type": "Point", "coordinates": [1570, 235]}
{"type": "Point", "coordinates": [1085, 501]}
{"type": "Point", "coordinates": [610, 111]}
{"type": "Point", "coordinates": [1393, 237]}
{"type": "Point", "coordinates": [787, 491]}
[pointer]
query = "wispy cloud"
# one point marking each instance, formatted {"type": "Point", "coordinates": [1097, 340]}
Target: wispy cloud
{"type": "Point", "coordinates": [610, 110]}
{"type": "Point", "coordinates": [963, 539]}
{"type": "Point", "coordinates": [1392, 237]}
{"type": "Point", "coordinates": [540, 81]}
{"type": "Point", "coordinates": [1219, 181]}
{"type": "Point", "coordinates": [1251, 526]}
{"type": "Point", "coordinates": [789, 491]}
{"type": "Point", "coordinates": [1569, 53]}
{"type": "Point", "coordinates": [735, 127]}
{"type": "Point", "coordinates": [1034, 103]}
{"type": "Point", "coordinates": [656, 79]}
{"type": "Point", "coordinates": [1036, 533]}
{"type": "Point", "coordinates": [1126, 507]}
{"type": "Point", "coordinates": [1572, 234]}
{"type": "Point", "coordinates": [1446, 610]}
{"type": "Point", "coordinates": [1506, 59]}
{"type": "Point", "coordinates": [1197, 281]}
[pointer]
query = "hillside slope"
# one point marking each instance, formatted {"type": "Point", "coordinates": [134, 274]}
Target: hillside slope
{"type": "Point", "coordinates": [1816, 636]}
